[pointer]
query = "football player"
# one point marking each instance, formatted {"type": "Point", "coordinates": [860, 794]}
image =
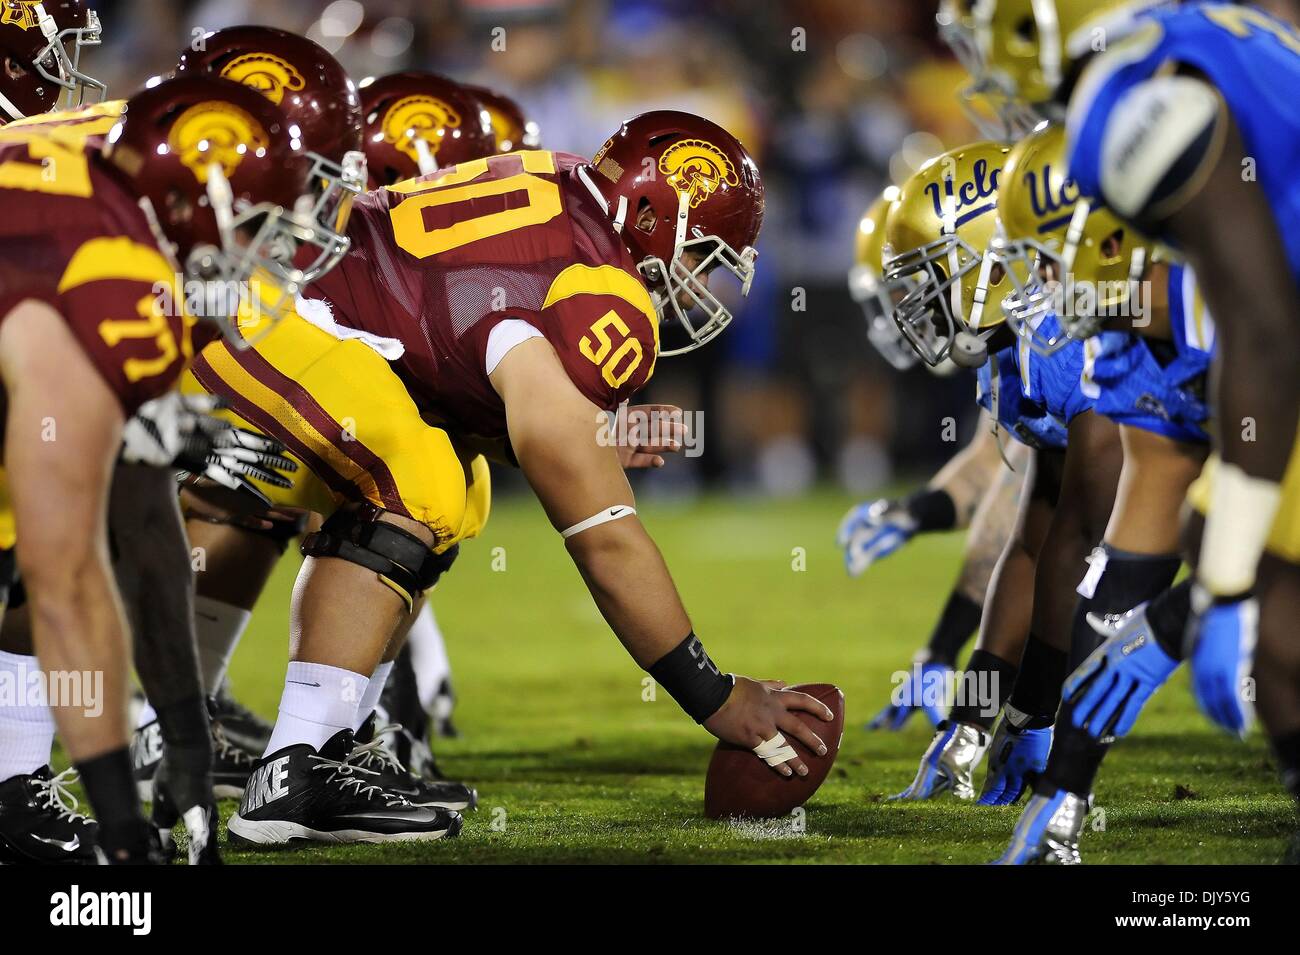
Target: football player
{"type": "Point", "coordinates": [1161, 128]}
{"type": "Point", "coordinates": [395, 113]}
{"type": "Point", "coordinates": [976, 489]}
{"type": "Point", "coordinates": [195, 182]}
{"type": "Point", "coordinates": [519, 327]}
{"type": "Point", "coordinates": [314, 93]}
{"type": "Point", "coordinates": [1086, 265]}
{"type": "Point", "coordinates": [940, 234]}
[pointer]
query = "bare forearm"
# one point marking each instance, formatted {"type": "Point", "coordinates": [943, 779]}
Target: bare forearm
{"type": "Point", "coordinates": [631, 585]}
{"type": "Point", "coordinates": [970, 472]}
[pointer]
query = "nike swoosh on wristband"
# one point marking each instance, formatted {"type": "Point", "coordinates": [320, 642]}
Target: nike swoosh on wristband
{"type": "Point", "coordinates": [301, 683]}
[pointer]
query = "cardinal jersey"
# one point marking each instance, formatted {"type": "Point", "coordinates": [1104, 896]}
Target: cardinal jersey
{"type": "Point", "coordinates": [72, 237]}
{"type": "Point", "coordinates": [439, 262]}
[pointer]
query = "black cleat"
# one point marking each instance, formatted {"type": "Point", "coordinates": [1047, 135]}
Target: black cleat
{"type": "Point", "coordinates": [39, 822]}
{"type": "Point", "coordinates": [373, 751]}
{"type": "Point", "coordinates": [299, 793]}
{"type": "Point", "coordinates": [242, 726]}
{"type": "Point", "coordinates": [146, 757]}
{"type": "Point", "coordinates": [444, 702]}
{"type": "Point", "coordinates": [231, 764]}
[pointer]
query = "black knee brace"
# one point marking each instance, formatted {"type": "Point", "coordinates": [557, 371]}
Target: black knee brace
{"type": "Point", "coordinates": [11, 591]}
{"type": "Point", "coordinates": [403, 561]}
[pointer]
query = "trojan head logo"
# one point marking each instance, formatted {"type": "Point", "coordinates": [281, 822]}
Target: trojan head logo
{"type": "Point", "coordinates": [270, 75]}
{"type": "Point", "coordinates": [215, 132]}
{"type": "Point", "coordinates": [418, 117]}
{"type": "Point", "coordinates": [697, 169]}
{"type": "Point", "coordinates": [21, 13]}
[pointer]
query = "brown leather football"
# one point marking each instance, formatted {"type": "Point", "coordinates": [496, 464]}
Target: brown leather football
{"type": "Point", "coordinates": [738, 783]}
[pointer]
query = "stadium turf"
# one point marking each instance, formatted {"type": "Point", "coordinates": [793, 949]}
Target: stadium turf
{"type": "Point", "coordinates": [573, 765]}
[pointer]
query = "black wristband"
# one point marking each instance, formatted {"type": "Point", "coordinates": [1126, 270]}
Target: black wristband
{"type": "Point", "coordinates": [692, 679]}
{"type": "Point", "coordinates": [932, 509]}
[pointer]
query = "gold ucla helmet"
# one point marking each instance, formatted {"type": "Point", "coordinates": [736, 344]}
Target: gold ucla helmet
{"type": "Point", "coordinates": [994, 113]}
{"type": "Point", "coordinates": [936, 234]}
{"type": "Point", "coordinates": [1029, 46]}
{"type": "Point", "coordinates": [869, 289]}
{"type": "Point", "coordinates": [1063, 253]}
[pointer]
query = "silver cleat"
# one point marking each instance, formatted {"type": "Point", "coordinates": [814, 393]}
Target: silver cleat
{"type": "Point", "coordinates": [949, 763]}
{"type": "Point", "coordinates": [1048, 831]}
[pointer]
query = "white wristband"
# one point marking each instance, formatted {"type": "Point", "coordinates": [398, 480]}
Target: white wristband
{"type": "Point", "coordinates": [1237, 526]}
{"type": "Point", "coordinates": [603, 517]}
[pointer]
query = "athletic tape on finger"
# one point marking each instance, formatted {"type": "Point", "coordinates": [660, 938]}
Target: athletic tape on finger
{"type": "Point", "coordinates": [775, 751]}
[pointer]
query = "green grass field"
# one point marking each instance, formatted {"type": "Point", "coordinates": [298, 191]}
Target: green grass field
{"type": "Point", "coordinates": [572, 765]}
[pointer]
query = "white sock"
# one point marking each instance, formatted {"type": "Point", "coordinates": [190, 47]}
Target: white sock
{"type": "Point", "coordinates": [217, 627]}
{"type": "Point", "coordinates": [147, 715]}
{"type": "Point", "coordinates": [317, 702]}
{"type": "Point", "coordinates": [26, 723]}
{"type": "Point", "coordinates": [428, 655]}
{"type": "Point", "coordinates": [374, 689]}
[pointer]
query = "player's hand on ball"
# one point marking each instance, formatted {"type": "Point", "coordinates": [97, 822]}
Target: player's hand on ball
{"type": "Point", "coordinates": [757, 712]}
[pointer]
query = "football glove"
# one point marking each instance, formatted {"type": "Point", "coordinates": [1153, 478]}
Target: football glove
{"type": "Point", "coordinates": [1222, 639]}
{"type": "Point", "coordinates": [949, 763]}
{"type": "Point", "coordinates": [1109, 689]}
{"type": "Point", "coordinates": [925, 691]}
{"type": "Point", "coordinates": [1016, 759]}
{"type": "Point", "coordinates": [872, 531]}
{"type": "Point", "coordinates": [179, 431]}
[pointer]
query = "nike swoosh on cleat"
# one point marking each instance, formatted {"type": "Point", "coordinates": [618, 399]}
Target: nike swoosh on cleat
{"type": "Point", "coordinates": [72, 845]}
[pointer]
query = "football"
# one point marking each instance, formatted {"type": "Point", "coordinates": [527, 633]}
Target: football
{"type": "Point", "coordinates": [738, 783]}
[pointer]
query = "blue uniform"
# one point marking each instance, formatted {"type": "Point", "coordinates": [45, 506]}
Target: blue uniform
{"type": "Point", "coordinates": [1160, 390]}
{"type": "Point", "coordinates": [1254, 62]}
{"type": "Point", "coordinates": [1004, 398]}
{"type": "Point", "coordinates": [1058, 383]}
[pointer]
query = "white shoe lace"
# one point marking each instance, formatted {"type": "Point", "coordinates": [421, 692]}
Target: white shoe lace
{"type": "Point", "coordinates": [377, 756]}
{"type": "Point", "coordinates": [225, 749]}
{"type": "Point", "coordinates": [54, 794]}
{"type": "Point", "coordinates": [344, 774]}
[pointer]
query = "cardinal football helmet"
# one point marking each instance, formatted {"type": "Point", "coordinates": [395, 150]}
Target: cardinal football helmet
{"type": "Point", "coordinates": [1064, 254]}
{"type": "Point", "coordinates": [225, 182]}
{"type": "Point", "coordinates": [417, 123]}
{"type": "Point", "coordinates": [936, 234]}
{"type": "Point", "coordinates": [41, 44]}
{"type": "Point", "coordinates": [675, 185]}
{"type": "Point", "coordinates": [512, 129]}
{"type": "Point", "coordinates": [317, 97]}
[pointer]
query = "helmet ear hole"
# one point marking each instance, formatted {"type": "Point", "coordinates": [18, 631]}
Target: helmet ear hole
{"type": "Point", "coordinates": [645, 216]}
{"type": "Point", "coordinates": [14, 69]}
{"type": "Point", "coordinates": [1112, 247]}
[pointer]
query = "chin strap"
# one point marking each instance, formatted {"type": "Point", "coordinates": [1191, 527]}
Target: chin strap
{"type": "Point", "coordinates": [424, 156]}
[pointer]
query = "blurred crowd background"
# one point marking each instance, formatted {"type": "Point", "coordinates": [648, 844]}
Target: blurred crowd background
{"type": "Point", "coordinates": [834, 97]}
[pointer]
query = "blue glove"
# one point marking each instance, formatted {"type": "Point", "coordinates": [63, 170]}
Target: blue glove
{"type": "Point", "coordinates": [1222, 637]}
{"type": "Point", "coordinates": [925, 690]}
{"type": "Point", "coordinates": [1016, 759]}
{"type": "Point", "coordinates": [872, 531]}
{"type": "Point", "coordinates": [1109, 689]}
